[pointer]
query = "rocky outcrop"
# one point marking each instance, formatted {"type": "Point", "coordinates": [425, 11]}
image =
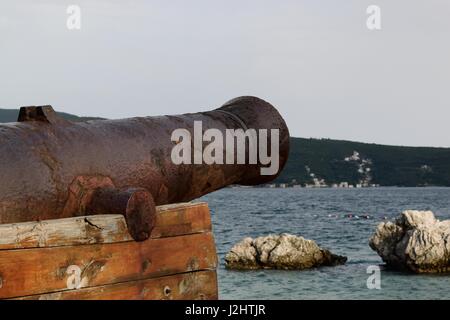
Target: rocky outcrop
{"type": "Point", "coordinates": [416, 242]}
{"type": "Point", "coordinates": [284, 251]}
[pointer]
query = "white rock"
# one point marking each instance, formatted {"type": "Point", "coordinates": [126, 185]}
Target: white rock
{"type": "Point", "coordinates": [282, 251]}
{"type": "Point", "coordinates": [417, 242]}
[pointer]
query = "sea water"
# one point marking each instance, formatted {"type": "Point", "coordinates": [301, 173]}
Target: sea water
{"type": "Point", "coordinates": [327, 216]}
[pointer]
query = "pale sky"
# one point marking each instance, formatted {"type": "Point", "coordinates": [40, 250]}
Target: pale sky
{"type": "Point", "coordinates": [315, 60]}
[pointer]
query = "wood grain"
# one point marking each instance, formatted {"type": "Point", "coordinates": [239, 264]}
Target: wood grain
{"type": "Point", "coordinates": [186, 286]}
{"type": "Point", "coordinates": [26, 272]}
{"type": "Point", "coordinates": [171, 220]}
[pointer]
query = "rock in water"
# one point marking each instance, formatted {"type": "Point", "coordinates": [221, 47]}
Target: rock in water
{"type": "Point", "coordinates": [284, 251]}
{"type": "Point", "coordinates": [417, 242]}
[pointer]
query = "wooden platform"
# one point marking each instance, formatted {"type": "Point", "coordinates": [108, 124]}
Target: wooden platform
{"type": "Point", "coordinates": [94, 257]}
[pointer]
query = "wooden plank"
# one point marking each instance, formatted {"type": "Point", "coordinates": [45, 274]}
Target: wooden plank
{"type": "Point", "coordinates": [42, 270]}
{"type": "Point", "coordinates": [171, 220]}
{"type": "Point", "coordinates": [185, 286]}
{"type": "Point", "coordinates": [180, 219]}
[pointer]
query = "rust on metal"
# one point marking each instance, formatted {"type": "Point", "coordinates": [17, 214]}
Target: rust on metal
{"type": "Point", "coordinates": [51, 168]}
{"type": "Point", "coordinates": [136, 204]}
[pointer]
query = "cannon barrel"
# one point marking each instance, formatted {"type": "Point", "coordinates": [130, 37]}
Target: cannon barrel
{"type": "Point", "coordinates": [51, 168]}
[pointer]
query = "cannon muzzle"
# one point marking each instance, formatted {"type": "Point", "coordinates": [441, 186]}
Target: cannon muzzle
{"type": "Point", "coordinates": [52, 168]}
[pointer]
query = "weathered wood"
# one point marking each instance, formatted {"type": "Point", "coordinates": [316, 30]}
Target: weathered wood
{"type": "Point", "coordinates": [171, 220]}
{"type": "Point", "coordinates": [180, 219]}
{"type": "Point", "coordinates": [26, 272]}
{"type": "Point", "coordinates": [187, 286]}
{"type": "Point", "coordinates": [94, 257]}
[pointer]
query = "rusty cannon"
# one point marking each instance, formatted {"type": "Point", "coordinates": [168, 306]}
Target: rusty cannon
{"type": "Point", "coordinates": [51, 168]}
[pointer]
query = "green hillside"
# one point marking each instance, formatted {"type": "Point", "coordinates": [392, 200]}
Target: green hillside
{"type": "Point", "coordinates": [387, 165]}
{"type": "Point", "coordinates": [324, 159]}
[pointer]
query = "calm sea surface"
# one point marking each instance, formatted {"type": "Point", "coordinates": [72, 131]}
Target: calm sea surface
{"type": "Point", "coordinates": [320, 214]}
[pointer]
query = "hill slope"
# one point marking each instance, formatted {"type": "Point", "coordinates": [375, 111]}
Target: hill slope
{"type": "Point", "coordinates": [336, 161]}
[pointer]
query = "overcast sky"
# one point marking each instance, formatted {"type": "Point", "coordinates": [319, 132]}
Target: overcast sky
{"type": "Point", "coordinates": [315, 60]}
